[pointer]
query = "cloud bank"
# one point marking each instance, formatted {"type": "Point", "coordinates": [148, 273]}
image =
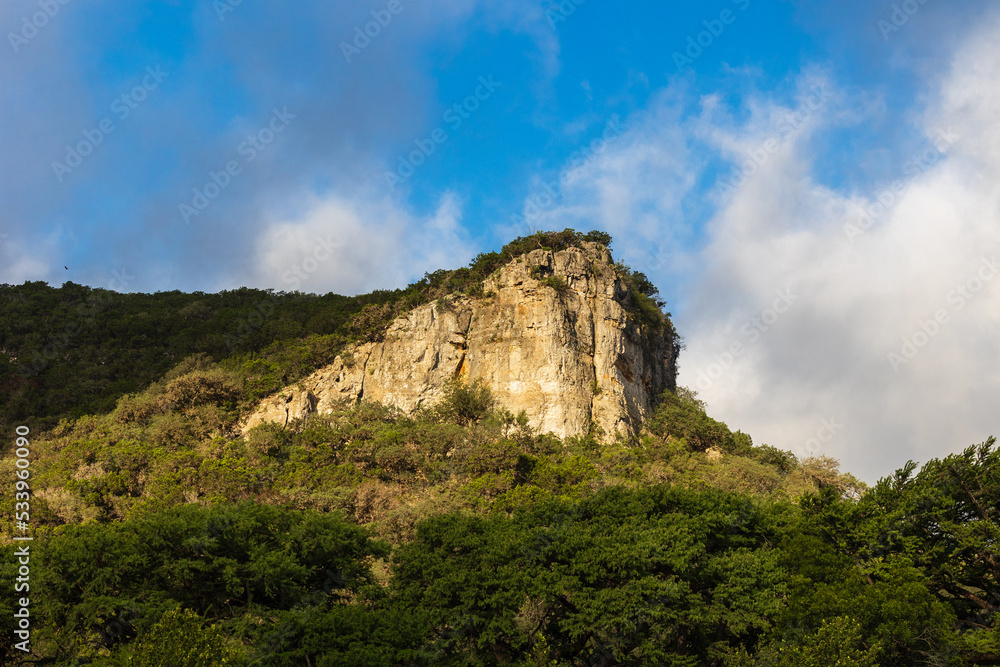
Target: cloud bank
{"type": "Point", "coordinates": [858, 323]}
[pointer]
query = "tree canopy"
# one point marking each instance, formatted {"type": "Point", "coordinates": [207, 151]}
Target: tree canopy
{"type": "Point", "coordinates": [454, 535]}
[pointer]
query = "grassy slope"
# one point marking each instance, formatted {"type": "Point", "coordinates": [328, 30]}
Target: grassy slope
{"type": "Point", "coordinates": [137, 400]}
{"type": "Point", "coordinates": [136, 469]}
{"type": "Point", "coordinates": [74, 351]}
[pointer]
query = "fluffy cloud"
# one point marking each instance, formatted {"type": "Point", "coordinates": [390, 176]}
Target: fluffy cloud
{"type": "Point", "coordinates": [351, 246]}
{"type": "Point", "coordinates": [224, 75]}
{"type": "Point", "coordinates": [856, 324]}
{"type": "Point", "coordinates": [630, 179]}
{"type": "Point", "coordinates": [18, 263]}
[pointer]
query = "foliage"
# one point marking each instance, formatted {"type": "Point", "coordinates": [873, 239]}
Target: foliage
{"type": "Point", "coordinates": [465, 405]}
{"type": "Point", "coordinates": [455, 535]}
{"type": "Point", "coordinates": [373, 462]}
{"type": "Point", "coordinates": [913, 562]}
{"type": "Point", "coordinates": [469, 280]}
{"type": "Point", "coordinates": [657, 576]}
{"type": "Point", "coordinates": [645, 304]}
{"type": "Point", "coordinates": [106, 585]}
{"type": "Point", "coordinates": [509, 545]}
{"type": "Point", "coordinates": [180, 639]}
{"type": "Point", "coordinates": [73, 350]}
{"type": "Point", "coordinates": [558, 283]}
{"type": "Point", "coordinates": [681, 415]}
{"type": "Point", "coordinates": [837, 643]}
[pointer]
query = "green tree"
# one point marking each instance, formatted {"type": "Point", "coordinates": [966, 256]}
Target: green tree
{"type": "Point", "coordinates": [913, 561]}
{"type": "Point", "coordinates": [466, 404]}
{"type": "Point", "coordinates": [107, 584]}
{"type": "Point", "coordinates": [181, 639]}
{"type": "Point", "coordinates": [682, 415]}
{"type": "Point", "coordinates": [656, 576]}
{"type": "Point", "coordinates": [837, 643]}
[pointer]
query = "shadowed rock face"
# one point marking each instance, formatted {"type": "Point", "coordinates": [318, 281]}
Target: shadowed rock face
{"type": "Point", "coordinates": [540, 349]}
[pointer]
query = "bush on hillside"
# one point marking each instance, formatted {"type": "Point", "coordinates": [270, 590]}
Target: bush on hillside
{"type": "Point", "coordinates": [465, 404]}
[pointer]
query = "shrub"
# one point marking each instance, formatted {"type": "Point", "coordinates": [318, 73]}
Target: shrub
{"type": "Point", "coordinates": [489, 487]}
{"type": "Point", "coordinates": [784, 461]}
{"type": "Point", "coordinates": [567, 477]}
{"type": "Point", "coordinates": [138, 408]}
{"type": "Point", "coordinates": [194, 362]}
{"type": "Point", "coordinates": [497, 457]}
{"type": "Point", "coordinates": [743, 475]}
{"type": "Point", "coordinates": [180, 639]}
{"type": "Point", "coordinates": [466, 405]}
{"type": "Point", "coordinates": [370, 324]}
{"type": "Point", "coordinates": [682, 415]}
{"type": "Point", "coordinates": [825, 471]}
{"type": "Point", "coordinates": [603, 238]}
{"type": "Point", "coordinates": [647, 312]}
{"type": "Point", "coordinates": [174, 430]}
{"type": "Point", "coordinates": [373, 500]}
{"type": "Point", "coordinates": [838, 642]}
{"type": "Point", "coordinates": [213, 386]}
{"type": "Point", "coordinates": [558, 283]}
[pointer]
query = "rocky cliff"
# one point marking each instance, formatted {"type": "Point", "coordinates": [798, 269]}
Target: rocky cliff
{"type": "Point", "coordinates": [554, 336]}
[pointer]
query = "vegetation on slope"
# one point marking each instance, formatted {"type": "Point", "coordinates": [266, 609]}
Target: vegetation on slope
{"type": "Point", "coordinates": [624, 574]}
{"type": "Point", "coordinates": [456, 535]}
{"type": "Point", "coordinates": [73, 351]}
{"type": "Point", "coordinates": [169, 445]}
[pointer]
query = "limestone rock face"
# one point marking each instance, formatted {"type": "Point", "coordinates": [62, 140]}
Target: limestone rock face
{"type": "Point", "coordinates": [567, 354]}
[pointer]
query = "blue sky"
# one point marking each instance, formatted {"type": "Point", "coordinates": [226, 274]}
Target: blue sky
{"type": "Point", "coordinates": [730, 147]}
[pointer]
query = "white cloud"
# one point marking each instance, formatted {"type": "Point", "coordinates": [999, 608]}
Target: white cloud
{"type": "Point", "coordinates": [629, 179]}
{"type": "Point", "coordinates": [351, 246]}
{"type": "Point", "coordinates": [20, 262]}
{"type": "Point", "coordinates": [351, 120]}
{"type": "Point", "coordinates": [853, 301]}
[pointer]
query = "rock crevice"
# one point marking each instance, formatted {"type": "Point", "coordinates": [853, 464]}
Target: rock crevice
{"type": "Point", "coordinates": [569, 353]}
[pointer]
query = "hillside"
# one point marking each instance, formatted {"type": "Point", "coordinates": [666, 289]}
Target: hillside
{"type": "Point", "coordinates": [457, 530]}
{"type": "Point", "coordinates": [553, 334]}
{"type": "Point", "coordinates": [74, 350]}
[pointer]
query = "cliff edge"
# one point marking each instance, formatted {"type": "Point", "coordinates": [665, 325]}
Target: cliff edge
{"type": "Point", "coordinates": [557, 335]}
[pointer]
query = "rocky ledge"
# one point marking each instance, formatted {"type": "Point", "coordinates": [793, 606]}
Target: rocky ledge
{"type": "Point", "coordinates": [553, 336]}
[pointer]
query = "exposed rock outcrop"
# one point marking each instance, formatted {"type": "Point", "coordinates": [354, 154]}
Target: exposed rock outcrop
{"type": "Point", "coordinates": [553, 337]}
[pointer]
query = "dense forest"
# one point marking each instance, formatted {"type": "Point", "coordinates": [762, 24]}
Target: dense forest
{"type": "Point", "coordinates": [456, 535]}
{"type": "Point", "coordinates": [74, 351]}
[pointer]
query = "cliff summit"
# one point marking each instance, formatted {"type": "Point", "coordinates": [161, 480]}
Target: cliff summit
{"type": "Point", "coordinates": [562, 335]}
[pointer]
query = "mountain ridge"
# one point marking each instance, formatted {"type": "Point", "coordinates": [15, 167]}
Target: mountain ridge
{"type": "Point", "coordinates": [555, 334]}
